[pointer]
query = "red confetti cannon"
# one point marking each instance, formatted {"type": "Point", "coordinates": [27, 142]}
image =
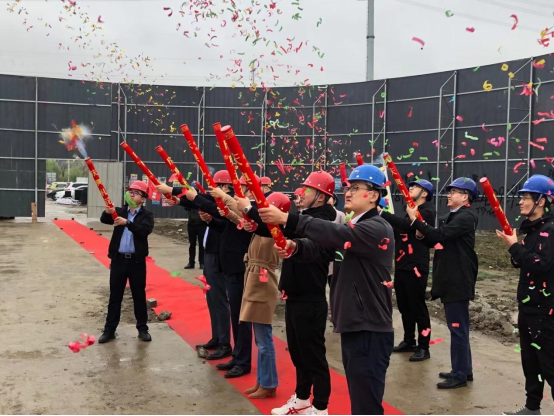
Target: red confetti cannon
{"type": "Point", "coordinates": [202, 164]}
{"type": "Point", "coordinates": [100, 185]}
{"type": "Point", "coordinates": [231, 168]}
{"type": "Point", "coordinates": [146, 171]}
{"type": "Point", "coordinates": [254, 186]}
{"type": "Point", "coordinates": [359, 159]}
{"type": "Point", "coordinates": [169, 162]}
{"type": "Point", "coordinates": [400, 183]}
{"type": "Point", "coordinates": [343, 177]}
{"type": "Point", "coordinates": [491, 196]}
{"type": "Point", "coordinates": [200, 188]}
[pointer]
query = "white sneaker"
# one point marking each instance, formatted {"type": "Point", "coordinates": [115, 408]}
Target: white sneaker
{"type": "Point", "coordinates": [294, 406]}
{"type": "Point", "coordinates": [313, 411]}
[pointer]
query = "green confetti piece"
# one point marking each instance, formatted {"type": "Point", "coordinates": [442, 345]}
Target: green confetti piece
{"type": "Point", "coordinates": [476, 69]}
{"type": "Point", "coordinates": [423, 158]}
{"type": "Point", "coordinates": [349, 216]}
{"type": "Point", "coordinates": [531, 287]}
{"type": "Point", "coordinates": [518, 218]}
{"type": "Point", "coordinates": [175, 274]}
{"type": "Point", "coordinates": [435, 179]}
{"type": "Point", "coordinates": [540, 378]}
{"type": "Point", "coordinates": [546, 294]}
{"type": "Point", "coordinates": [471, 137]}
{"type": "Point", "coordinates": [497, 153]}
{"type": "Point", "coordinates": [129, 200]}
{"type": "Point", "coordinates": [189, 175]}
{"type": "Point", "coordinates": [536, 346]}
{"type": "Point", "coordinates": [517, 348]}
{"type": "Point", "coordinates": [509, 126]}
{"type": "Point", "coordinates": [527, 299]}
{"type": "Point", "coordinates": [488, 154]}
{"type": "Point", "coordinates": [449, 13]}
{"type": "Point", "coordinates": [383, 94]}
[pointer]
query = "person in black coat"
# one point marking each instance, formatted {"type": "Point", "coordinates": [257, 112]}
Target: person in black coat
{"type": "Point", "coordinates": [534, 258]}
{"type": "Point", "coordinates": [128, 251]}
{"type": "Point", "coordinates": [361, 299]}
{"type": "Point", "coordinates": [195, 230]}
{"type": "Point", "coordinates": [455, 267]}
{"type": "Point", "coordinates": [412, 271]}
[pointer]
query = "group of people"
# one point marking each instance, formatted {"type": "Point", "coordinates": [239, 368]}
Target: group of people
{"type": "Point", "coordinates": [241, 261]}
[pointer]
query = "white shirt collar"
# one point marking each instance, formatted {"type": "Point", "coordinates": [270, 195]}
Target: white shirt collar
{"type": "Point", "coordinates": [355, 220]}
{"type": "Point", "coordinates": [455, 210]}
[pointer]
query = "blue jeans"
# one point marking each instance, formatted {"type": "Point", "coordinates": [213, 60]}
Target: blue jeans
{"type": "Point", "coordinates": [460, 350]}
{"type": "Point", "coordinates": [267, 365]}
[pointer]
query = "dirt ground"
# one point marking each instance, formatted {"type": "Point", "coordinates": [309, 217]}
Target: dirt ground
{"type": "Point", "coordinates": [494, 311]}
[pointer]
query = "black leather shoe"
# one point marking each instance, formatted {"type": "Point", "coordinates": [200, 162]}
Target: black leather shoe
{"type": "Point", "coordinates": [236, 371]}
{"type": "Point", "coordinates": [451, 383]}
{"type": "Point", "coordinates": [421, 354]}
{"type": "Point", "coordinates": [144, 336]}
{"type": "Point", "coordinates": [405, 347]}
{"type": "Point", "coordinates": [189, 266]}
{"type": "Point", "coordinates": [225, 366]}
{"type": "Point", "coordinates": [222, 351]}
{"type": "Point", "coordinates": [449, 375]}
{"type": "Point", "coordinates": [202, 266]}
{"type": "Point", "coordinates": [210, 345]}
{"type": "Point", "coordinates": [106, 337]}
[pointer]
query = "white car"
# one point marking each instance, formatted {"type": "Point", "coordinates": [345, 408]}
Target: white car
{"type": "Point", "coordinates": [70, 188]}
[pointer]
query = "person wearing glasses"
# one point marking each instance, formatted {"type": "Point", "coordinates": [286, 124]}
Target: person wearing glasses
{"type": "Point", "coordinates": [361, 299]}
{"type": "Point", "coordinates": [534, 258]}
{"type": "Point", "coordinates": [128, 251]}
{"type": "Point", "coordinates": [412, 270]}
{"type": "Point", "coordinates": [455, 268]}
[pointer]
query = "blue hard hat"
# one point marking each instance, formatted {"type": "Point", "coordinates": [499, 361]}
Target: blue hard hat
{"type": "Point", "coordinates": [428, 186]}
{"type": "Point", "coordinates": [371, 174]}
{"type": "Point", "coordinates": [538, 184]}
{"type": "Point", "coordinates": [466, 184]}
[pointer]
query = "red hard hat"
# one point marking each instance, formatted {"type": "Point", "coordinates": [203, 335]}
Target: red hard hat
{"type": "Point", "coordinates": [243, 181]}
{"type": "Point", "coordinates": [139, 186]}
{"type": "Point", "coordinates": [299, 191]}
{"type": "Point", "coordinates": [280, 200]}
{"type": "Point", "coordinates": [222, 176]}
{"type": "Point", "coordinates": [321, 181]}
{"type": "Point", "coordinates": [265, 181]}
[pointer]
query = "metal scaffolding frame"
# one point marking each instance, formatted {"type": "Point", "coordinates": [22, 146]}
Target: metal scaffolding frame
{"type": "Point", "coordinates": [442, 132]}
{"type": "Point", "coordinates": [509, 131]}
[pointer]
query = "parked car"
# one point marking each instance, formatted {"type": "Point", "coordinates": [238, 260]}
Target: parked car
{"type": "Point", "coordinates": [69, 190]}
{"type": "Point", "coordinates": [83, 188]}
{"type": "Point", "coordinates": [58, 186]}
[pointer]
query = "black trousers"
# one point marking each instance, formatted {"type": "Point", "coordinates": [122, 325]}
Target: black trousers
{"type": "Point", "coordinates": [216, 297]}
{"type": "Point", "coordinates": [460, 349]}
{"type": "Point", "coordinates": [366, 357]}
{"type": "Point", "coordinates": [196, 233]}
{"type": "Point", "coordinates": [538, 364]}
{"type": "Point", "coordinates": [122, 269]}
{"type": "Point", "coordinates": [410, 297]}
{"type": "Point", "coordinates": [242, 332]}
{"type": "Point", "coordinates": [305, 322]}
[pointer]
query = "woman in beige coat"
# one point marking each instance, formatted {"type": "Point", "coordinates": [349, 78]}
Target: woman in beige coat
{"type": "Point", "coordinates": [260, 291]}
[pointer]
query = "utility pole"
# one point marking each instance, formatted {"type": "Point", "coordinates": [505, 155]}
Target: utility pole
{"type": "Point", "coordinates": [370, 38]}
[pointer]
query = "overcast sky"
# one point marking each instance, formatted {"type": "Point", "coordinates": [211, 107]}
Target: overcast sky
{"type": "Point", "coordinates": [143, 27]}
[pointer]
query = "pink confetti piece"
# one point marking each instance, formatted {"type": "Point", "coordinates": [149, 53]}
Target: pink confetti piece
{"type": "Point", "coordinates": [439, 246]}
{"type": "Point", "coordinates": [350, 224]}
{"type": "Point", "coordinates": [455, 325]}
{"type": "Point", "coordinates": [470, 29]}
{"type": "Point", "coordinates": [347, 245]}
{"type": "Point", "coordinates": [538, 146]}
{"type": "Point", "coordinates": [170, 11]}
{"type": "Point", "coordinates": [283, 296]}
{"type": "Point", "coordinates": [420, 41]}
{"type": "Point", "coordinates": [535, 122]}
{"type": "Point", "coordinates": [542, 140]}
{"type": "Point", "coordinates": [426, 332]}
{"type": "Point", "coordinates": [240, 226]}
{"type": "Point", "coordinates": [459, 118]}
{"type": "Point", "coordinates": [402, 253]}
{"type": "Point", "coordinates": [384, 243]}
{"type": "Point", "coordinates": [545, 234]}
{"type": "Point", "coordinates": [532, 163]}
{"type": "Point", "coordinates": [389, 285]}
{"type": "Point", "coordinates": [263, 276]}
{"type": "Point", "coordinates": [516, 167]}
{"type": "Point", "coordinates": [484, 128]}
{"type": "Point", "coordinates": [410, 249]}
{"type": "Point", "coordinates": [435, 341]}
{"type": "Point", "coordinates": [516, 21]}
{"type": "Point", "coordinates": [404, 237]}
{"type": "Point", "coordinates": [417, 273]}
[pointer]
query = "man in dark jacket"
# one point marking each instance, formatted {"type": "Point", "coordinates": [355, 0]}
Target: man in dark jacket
{"type": "Point", "coordinates": [303, 285]}
{"type": "Point", "coordinates": [535, 259]}
{"type": "Point", "coordinates": [455, 268]}
{"type": "Point", "coordinates": [128, 251]}
{"type": "Point", "coordinates": [412, 270]}
{"type": "Point", "coordinates": [195, 229]}
{"type": "Point", "coordinates": [361, 300]}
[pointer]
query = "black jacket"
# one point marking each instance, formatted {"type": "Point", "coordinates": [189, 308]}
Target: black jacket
{"type": "Point", "coordinates": [194, 219]}
{"type": "Point", "coordinates": [359, 299]}
{"type": "Point", "coordinates": [455, 267]}
{"type": "Point", "coordinates": [535, 259]}
{"type": "Point", "coordinates": [405, 238]}
{"type": "Point", "coordinates": [141, 227]}
{"type": "Point", "coordinates": [306, 281]}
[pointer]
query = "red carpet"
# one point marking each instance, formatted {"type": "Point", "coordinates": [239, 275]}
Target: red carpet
{"type": "Point", "coordinates": [191, 321]}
